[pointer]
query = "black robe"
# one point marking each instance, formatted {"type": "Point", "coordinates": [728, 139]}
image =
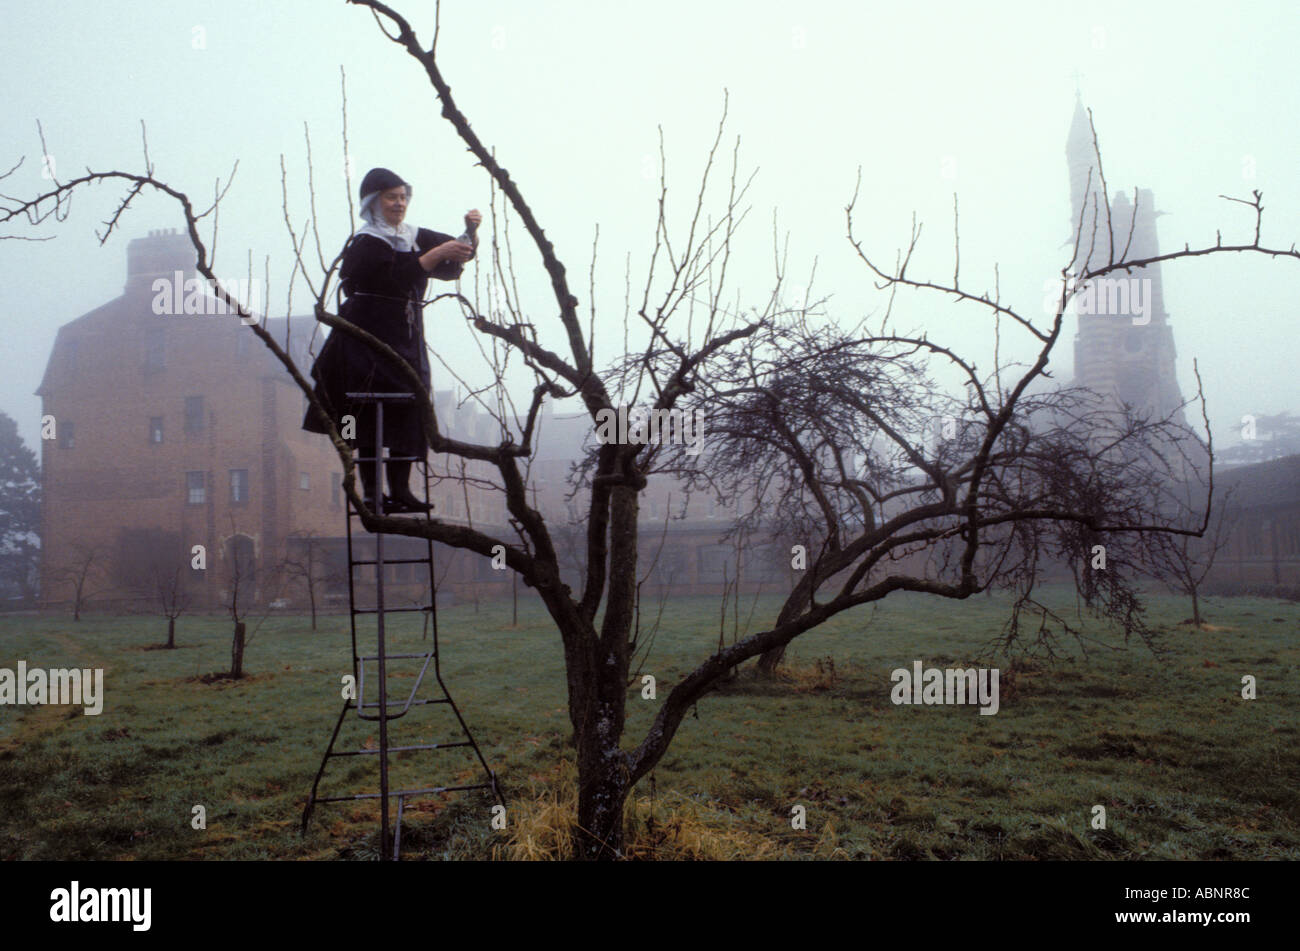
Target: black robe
{"type": "Point", "coordinates": [385, 289]}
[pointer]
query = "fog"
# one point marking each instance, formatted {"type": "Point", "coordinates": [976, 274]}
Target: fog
{"type": "Point", "coordinates": [1190, 100]}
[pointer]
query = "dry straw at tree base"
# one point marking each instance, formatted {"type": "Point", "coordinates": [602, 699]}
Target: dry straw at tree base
{"type": "Point", "coordinates": [670, 827]}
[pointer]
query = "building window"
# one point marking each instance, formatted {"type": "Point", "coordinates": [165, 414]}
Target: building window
{"type": "Point", "coordinates": [194, 414]}
{"type": "Point", "coordinates": [304, 480]}
{"type": "Point", "coordinates": [238, 485]}
{"type": "Point", "coordinates": [67, 434]}
{"type": "Point", "coordinates": [155, 354]}
{"type": "Point", "coordinates": [196, 486]}
{"type": "Point", "coordinates": [155, 429]}
{"type": "Point", "coordinates": [241, 564]}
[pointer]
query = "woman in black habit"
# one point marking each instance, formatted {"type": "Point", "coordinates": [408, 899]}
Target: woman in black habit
{"type": "Point", "coordinates": [386, 266]}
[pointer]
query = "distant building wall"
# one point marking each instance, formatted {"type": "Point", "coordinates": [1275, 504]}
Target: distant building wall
{"type": "Point", "coordinates": [1263, 548]}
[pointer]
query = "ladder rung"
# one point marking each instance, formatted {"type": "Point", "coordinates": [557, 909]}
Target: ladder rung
{"type": "Point", "coordinates": [404, 792]}
{"type": "Point", "coordinates": [399, 703]}
{"type": "Point", "coordinates": [402, 749]}
{"type": "Point", "coordinates": [392, 561]}
{"type": "Point", "coordinates": [386, 610]}
{"type": "Point", "coordinates": [356, 513]}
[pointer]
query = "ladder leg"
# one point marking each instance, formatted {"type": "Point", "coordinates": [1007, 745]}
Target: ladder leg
{"type": "Point", "coordinates": [397, 832]}
{"type": "Point", "coordinates": [379, 634]}
{"type": "Point", "coordinates": [315, 786]}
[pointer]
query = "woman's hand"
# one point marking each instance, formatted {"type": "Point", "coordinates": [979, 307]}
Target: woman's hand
{"type": "Point", "coordinates": [456, 251]}
{"type": "Point", "coordinates": [475, 216]}
{"type": "Point", "coordinates": [447, 251]}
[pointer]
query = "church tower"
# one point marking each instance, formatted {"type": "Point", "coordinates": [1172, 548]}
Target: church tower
{"type": "Point", "coordinates": [1124, 348]}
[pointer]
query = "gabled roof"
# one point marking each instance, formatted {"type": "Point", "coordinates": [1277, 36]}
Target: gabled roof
{"type": "Point", "coordinates": [102, 313]}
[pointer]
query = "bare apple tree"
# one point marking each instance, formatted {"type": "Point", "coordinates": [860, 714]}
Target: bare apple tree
{"type": "Point", "coordinates": [84, 570]}
{"type": "Point", "coordinates": [1184, 562]}
{"type": "Point", "coordinates": [240, 585]}
{"type": "Point", "coordinates": [306, 563]}
{"type": "Point", "coordinates": [153, 564]}
{"type": "Point", "coordinates": [172, 596]}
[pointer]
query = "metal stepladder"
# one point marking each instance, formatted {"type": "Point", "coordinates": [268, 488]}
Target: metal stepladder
{"type": "Point", "coordinates": [383, 709]}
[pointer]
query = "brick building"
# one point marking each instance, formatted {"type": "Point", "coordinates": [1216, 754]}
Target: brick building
{"type": "Point", "coordinates": [171, 431]}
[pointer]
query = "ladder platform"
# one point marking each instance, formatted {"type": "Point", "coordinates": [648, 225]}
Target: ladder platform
{"type": "Point", "coordinates": [383, 703]}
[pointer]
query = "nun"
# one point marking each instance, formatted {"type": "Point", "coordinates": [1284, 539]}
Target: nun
{"type": "Point", "coordinates": [386, 267]}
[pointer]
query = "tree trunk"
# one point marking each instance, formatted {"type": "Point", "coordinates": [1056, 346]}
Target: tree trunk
{"type": "Point", "coordinates": [237, 651]}
{"type": "Point", "coordinates": [311, 598]}
{"type": "Point", "coordinates": [770, 660]}
{"type": "Point", "coordinates": [602, 765]}
{"type": "Point", "coordinates": [601, 695]}
{"type": "Point", "coordinates": [1196, 609]}
{"type": "Point", "coordinates": [171, 633]}
{"type": "Point", "coordinates": [602, 792]}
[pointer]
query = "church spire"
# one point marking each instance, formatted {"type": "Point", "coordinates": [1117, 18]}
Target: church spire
{"type": "Point", "coordinates": [1124, 347]}
{"type": "Point", "coordinates": [1086, 200]}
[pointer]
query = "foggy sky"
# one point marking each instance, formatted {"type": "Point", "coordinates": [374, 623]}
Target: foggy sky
{"type": "Point", "coordinates": [1191, 100]}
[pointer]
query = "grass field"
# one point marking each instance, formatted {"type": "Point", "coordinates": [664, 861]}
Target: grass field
{"type": "Point", "coordinates": [1185, 768]}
